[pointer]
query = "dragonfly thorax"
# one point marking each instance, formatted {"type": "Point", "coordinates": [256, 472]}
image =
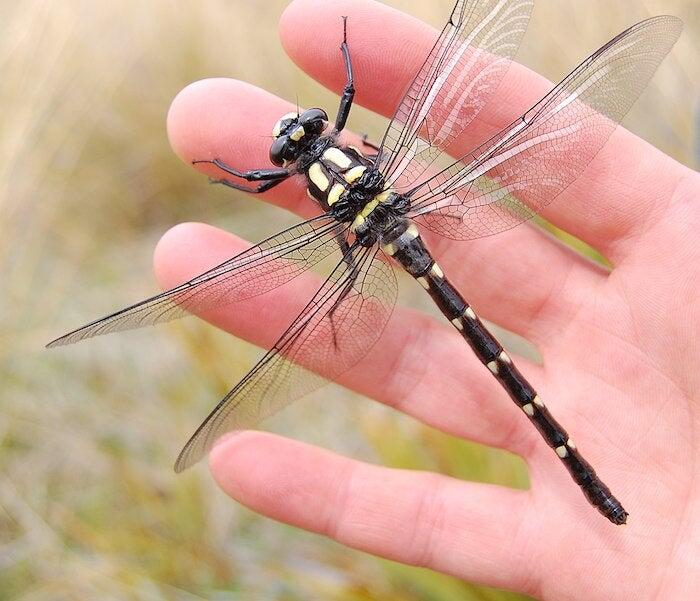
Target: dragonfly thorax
{"type": "Point", "coordinates": [379, 216]}
{"type": "Point", "coordinates": [345, 183]}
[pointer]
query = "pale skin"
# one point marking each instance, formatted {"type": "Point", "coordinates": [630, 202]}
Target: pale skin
{"type": "Point", "coordinates": [620, 350]}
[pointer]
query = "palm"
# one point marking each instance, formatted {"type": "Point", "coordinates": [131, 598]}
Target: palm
{"type": "Point", "coordinates": [617, 350]}
{"type": "Point", "coordinates": [626, 362]}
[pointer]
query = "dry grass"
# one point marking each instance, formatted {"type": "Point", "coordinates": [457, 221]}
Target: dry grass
{"type": "Point", "coordinates": [89, 506]}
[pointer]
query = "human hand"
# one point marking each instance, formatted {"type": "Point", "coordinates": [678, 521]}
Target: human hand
{"type": "Point", "coordinates": [619, 351]}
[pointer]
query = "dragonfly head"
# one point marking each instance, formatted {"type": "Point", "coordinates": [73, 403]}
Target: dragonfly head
{"type": "Point", "coordinates": [294, 132]}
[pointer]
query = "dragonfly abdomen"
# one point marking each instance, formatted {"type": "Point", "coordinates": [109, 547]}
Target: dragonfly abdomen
{"type": "Point", "coordinates": [406, 246]}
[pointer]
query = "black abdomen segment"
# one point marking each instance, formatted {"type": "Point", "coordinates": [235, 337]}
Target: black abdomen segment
{"type": "Point", "coordinates": [407, 247]}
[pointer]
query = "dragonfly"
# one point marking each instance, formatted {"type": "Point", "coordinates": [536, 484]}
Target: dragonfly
{"type": "Point", "coordinates": [374, 202]}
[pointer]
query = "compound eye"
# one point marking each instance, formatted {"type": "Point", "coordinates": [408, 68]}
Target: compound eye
{"type": "Point", "coordinates": [279, 151]}
{"type": "Point", "coordinates": [283, 150]}
{"type": "Point", "coordinates": [314, 120]}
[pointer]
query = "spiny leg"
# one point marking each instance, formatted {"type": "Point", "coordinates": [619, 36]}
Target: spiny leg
{"type": "Point", "coordinates": [252, 175]}
{"type": "Point", "coordinates": [256, 190]}
{"type": "Point", "coordinates": [349, 90]}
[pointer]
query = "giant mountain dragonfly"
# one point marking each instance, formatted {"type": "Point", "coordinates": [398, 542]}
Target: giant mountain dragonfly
{"type": "Point", "coordinates": [374, 206]}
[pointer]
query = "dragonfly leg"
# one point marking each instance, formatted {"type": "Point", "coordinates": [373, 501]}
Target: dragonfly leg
{"type": "Point", "coordinates": [252, 175]}
{"type": "Point", "coordinates": [256, 190]}
{"type": "Point", "coordinates": [349, 90]}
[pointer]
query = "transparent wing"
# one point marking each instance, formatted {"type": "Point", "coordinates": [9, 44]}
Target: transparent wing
{"type": "Point", "coordinates": [527, 165]}
{"type": "Point", "coordinates": [335, 330]}
{"type": "Point", "coordinates": [460, 75]}
{"type": "Point", "coordinates": [254, 271]}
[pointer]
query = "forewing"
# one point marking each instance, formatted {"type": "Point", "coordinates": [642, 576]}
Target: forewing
{"type": "Point", "coordinates": [522, 169]}
{"type": "Point", "coordinates": [254, 271]}
{"type": "Point", "coordinates": [460, 75]}
{"type": "Point", "coordinates": [335, 330]}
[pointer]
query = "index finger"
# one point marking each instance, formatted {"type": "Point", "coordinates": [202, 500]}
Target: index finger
{"type": "Point", "coordinates": [388, 48]}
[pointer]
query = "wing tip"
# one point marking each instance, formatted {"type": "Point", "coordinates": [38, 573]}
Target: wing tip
{"type": "Point", "coordinates": [672, 27]}
{"type": "Point", "coordinates": [70, 337]}
{"type": "Point", "coordinates": [184, 460]}
{"type": "Point", "coordinates": [675, 24]}
{"type": "Point", "coordinates": [190, 454]}
{"type": "Point", "coordinates": [56, 342]}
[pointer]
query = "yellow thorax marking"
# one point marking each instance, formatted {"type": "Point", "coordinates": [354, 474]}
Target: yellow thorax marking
{"type": "Point", "coordinates": [354, 174]}
{"type": "Point", "coordinates": [337, 157]}
{"type": "Point", "coordinates": [335, 194]}
{"type": "Point", "coordinates": [369, 207]}
{"type": "Point", "coordinates": [359, 220]}
{"type": "Point", "coordinates": [318, 177]}
{"type": "Point", "coordinates": [384, 196]}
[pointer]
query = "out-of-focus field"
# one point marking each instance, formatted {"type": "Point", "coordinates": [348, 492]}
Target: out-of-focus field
{"type": "Point", "coordinates": [89, 505]}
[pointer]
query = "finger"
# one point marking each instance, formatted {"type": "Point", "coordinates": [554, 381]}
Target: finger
{"type": "Point", "coordinates": [229, 120]}
{"type": "Point", "coordinates": [405, 369]}
{"type": "Point", "coordinates": [418, 518]}
{"type": "Point", "coordinates": [612, 203]}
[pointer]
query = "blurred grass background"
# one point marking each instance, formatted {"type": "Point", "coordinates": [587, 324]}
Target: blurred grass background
{"type": "Point", "coordinates": [89, 506]}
